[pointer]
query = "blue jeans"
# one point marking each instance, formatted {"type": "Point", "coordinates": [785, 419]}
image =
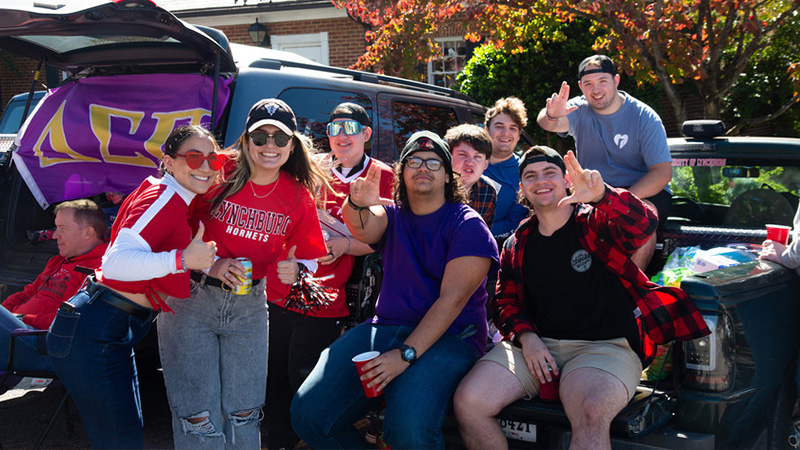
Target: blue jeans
{"type": "Point", "coordinates": [214, 355]}
{"type": "Point", "coordinates": [29, 354]}
{"type": "Point", "coordinates": [332, 399]}
{"type": "Point", "coordinates": [91, 349]}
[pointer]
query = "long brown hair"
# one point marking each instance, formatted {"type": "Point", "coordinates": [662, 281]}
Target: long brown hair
{"type": "Point", "coordinates": [300, 165]}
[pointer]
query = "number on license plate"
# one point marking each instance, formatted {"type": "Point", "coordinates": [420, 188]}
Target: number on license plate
{"type": "Point", "coordinates": [521, 431]}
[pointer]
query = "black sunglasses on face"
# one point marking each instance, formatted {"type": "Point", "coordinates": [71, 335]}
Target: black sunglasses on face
{"type": "Point", "coordinates": [279, 139]}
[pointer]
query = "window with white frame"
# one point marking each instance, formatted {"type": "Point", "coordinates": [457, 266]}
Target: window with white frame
{"type": "Point", "coordinates": [313, 46]}
{"type": "Point", "coordinates": [443, 69]}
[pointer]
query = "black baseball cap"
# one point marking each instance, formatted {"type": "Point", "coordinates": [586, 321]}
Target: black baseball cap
{"type": "Point", "coordinates": [349, 110]}
{"type": "Point", "coordinates": [541, 153]}
{"type": "Point", "coordinates": [423, 141]}
{"type": "Point", "coordinates": [271, 111]}
{"type": "Point", "coordinates": [604, 62]}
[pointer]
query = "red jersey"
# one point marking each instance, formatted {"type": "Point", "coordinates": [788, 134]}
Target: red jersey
{"type": "Point", "coordinates": [262, 222]}
{"type": "Point", "coordinates": [343, 266]}
{"type": "Point", "coordinates": [156, 212]}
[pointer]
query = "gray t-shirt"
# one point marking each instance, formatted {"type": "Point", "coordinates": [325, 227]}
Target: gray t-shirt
{"type": "Point", "coordinates": [621, 146]}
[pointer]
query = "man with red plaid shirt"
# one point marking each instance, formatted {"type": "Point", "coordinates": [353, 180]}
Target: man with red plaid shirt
{"type": "Point", "coordinates": [572, 304]}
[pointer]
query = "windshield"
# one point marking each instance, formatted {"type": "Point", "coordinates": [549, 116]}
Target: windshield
{"type": "Point", "coordinates": [737, 194]}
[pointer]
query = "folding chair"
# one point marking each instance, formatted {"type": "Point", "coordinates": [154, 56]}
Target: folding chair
{"type": "Point", "coordinates": [11, 371]}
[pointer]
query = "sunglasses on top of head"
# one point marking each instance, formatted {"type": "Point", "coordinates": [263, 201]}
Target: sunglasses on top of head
{"type": "Point", "coordinates": [280, 139]}
{"type": "Point", "coordinates": [350, 127]}
{"type": "Point", "coordinates": [195, 159]}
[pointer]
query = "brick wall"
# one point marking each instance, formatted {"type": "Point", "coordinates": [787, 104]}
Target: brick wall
{"type": "Point", "coordinates": [16, 74]}
{"type": "Point", "coordinates": [345, 37]}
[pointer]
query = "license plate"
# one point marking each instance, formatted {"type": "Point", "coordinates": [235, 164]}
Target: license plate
{"type": "Point", "coordinates": [521, 431]}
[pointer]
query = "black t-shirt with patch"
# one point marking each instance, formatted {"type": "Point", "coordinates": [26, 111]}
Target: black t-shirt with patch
{"type": "Point", "coordinates": [571, 294]}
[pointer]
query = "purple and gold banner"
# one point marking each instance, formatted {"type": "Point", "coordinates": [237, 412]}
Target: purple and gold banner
{"type": "Point", "coordinates": [104, 134]}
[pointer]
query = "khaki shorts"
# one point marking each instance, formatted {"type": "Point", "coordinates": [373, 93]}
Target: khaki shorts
{"type": "Point", "coordinates": [613, 356]}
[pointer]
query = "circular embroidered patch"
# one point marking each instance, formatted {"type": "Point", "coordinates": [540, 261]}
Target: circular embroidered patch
{"type": "Point", "coordinates": [581, 261]}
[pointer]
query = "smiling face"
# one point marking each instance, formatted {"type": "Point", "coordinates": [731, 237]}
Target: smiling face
{"type": "Point", "coordinates": [600, 90]}
{"type": "Point", "coordinates": [349, 149]}
{"type": "Point", "coordinates": [268, 158]}
{"type": "Point", "coordinates": [468, 162]}
{"type": "Point", "coordinates": [505, 135]}
{"type": "Point", "coordinates": [196, 180]}
{"type": "Point", "coordinates": [543, 184]}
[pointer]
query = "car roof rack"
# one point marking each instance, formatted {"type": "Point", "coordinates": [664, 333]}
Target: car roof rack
{"type": "Point", "coordinates": [358, 75]}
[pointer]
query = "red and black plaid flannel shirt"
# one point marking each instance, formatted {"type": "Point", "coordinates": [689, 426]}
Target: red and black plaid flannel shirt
{"type": "Point", "coordinates": [483, 199]}
{"type": "Point", "coordinates": [612, 230]}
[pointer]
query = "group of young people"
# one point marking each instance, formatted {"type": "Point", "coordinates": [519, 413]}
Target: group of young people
{"type": "Point", "coordinates": [571, 298]}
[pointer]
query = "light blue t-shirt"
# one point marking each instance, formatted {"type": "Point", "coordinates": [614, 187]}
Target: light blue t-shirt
{"type": "Point", "coordinates": [416, 250]}
{"type": "Point", "coordinates": [621, 146]}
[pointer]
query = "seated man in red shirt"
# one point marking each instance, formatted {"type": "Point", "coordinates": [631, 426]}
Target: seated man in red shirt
{"type": "Point", "coordinates": [80, 231]}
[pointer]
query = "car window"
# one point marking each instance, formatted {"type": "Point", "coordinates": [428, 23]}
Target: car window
{"type": "Point", "coordinates": [313, 108]}
{"type": "Point", "coordinates": [12, 117]}
{"type": "Point", "coordinates": [735, 193]}
{"type": "Point", "coordinates": [408, 117]}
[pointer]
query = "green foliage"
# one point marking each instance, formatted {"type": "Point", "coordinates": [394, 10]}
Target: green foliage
{"type": "Point", "coordinates": [764, 86]}
{"type": "Point", "coordinates": [532, 75]}
{"type": "Point", "coordinates": [535, 73]}
{"type": "Point", "coordinates": [709, 185]}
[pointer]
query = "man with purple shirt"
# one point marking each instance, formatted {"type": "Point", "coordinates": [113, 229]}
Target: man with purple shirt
{"type": "Point", "coordinates": [430, 321]}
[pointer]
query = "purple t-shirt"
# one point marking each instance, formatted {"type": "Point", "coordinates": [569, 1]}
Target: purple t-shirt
{"type": "Point", "coordinates": [416, 250]}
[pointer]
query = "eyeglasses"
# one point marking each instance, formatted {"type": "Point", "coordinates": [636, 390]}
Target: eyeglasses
{"type": "Point", "coordinates": [279, 139]}
{"type": "Point", "coordinates": [195, 159]}
{"type": "Point", "coordinates": [432, 164]}
{"type": "Point", "coordinates": [350, 128]}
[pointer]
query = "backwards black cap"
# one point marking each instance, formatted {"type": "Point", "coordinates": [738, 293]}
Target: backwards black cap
{"type": "Point", "coordinates": [604, 62]}
{"type": "Point", "coordinates": [541, 153]}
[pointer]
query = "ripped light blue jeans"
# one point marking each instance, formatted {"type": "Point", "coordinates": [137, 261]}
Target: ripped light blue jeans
{"type": "Point", "coordinates": [214, 355]}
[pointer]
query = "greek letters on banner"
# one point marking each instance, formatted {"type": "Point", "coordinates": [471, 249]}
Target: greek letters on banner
{"type": "Point", "coordinates": [105, 134]}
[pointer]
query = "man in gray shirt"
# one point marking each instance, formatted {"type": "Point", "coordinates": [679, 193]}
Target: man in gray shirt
{"type": "Point", "coordinates": [617, 135]}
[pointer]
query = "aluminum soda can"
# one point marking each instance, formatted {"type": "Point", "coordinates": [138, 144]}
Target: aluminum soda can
{"type": "Point", "coordinates": [247, 281]}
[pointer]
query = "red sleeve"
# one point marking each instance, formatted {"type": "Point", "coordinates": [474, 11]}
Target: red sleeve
{"type": "Point", "coordinates": [41, 321]}
{"type": "Point", "coordinates": [306, 234]}
{"type": "Point", "coordinates": [627, 219]}
{"type": "Point", "coordinates": [508, 306]}
{"type": "Point", "coordinates": [15, 300]}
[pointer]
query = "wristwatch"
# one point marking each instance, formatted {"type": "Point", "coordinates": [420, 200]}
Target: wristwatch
{"type": "Point", "coordinates": [408, 353]}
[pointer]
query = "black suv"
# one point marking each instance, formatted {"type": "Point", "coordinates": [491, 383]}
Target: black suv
{"type": "Point", "coordinates": [131, 38]}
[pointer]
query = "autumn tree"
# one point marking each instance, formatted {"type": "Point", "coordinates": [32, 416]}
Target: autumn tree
{"type": "Point", "coordinates": [707, 43]}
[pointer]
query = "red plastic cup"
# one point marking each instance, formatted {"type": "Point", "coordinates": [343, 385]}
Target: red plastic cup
{"type": "Point", "coordinates": [549, 391]}
{"type": "Point", "coordinates": [778, 233]}
{"type": "Point", "coordinates": [360, 360]}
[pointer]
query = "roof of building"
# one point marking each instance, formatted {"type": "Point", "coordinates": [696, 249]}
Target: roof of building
{"type": "Point", "coordinates": [232, 6]}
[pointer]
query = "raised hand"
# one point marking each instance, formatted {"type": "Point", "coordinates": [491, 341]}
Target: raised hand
{"type": "Point", "coordinates": [557, 103]}
{"type": "Point", "coordinates": [199, 255]}
{"type": "Point", "coordinates": [587, 185]}
{"type": "Point", "coordinates": [365, 191]}
{"type": "Point", "coordinates": [288, 272]}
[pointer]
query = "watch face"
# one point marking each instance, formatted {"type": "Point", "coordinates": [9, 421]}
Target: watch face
{"type": "Point", "coordinates": [409, 354]}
